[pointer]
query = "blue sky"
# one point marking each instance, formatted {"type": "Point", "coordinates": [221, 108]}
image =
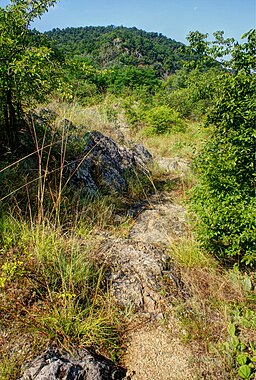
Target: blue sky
{"type": "Point", "coordinates": [173, 18]}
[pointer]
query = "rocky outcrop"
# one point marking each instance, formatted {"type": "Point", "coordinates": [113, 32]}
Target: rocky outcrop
{"type": "Point", "coordinates": [139, 267]}
{"type": "Point", "coordinates": [53, 365]}
{"type": "Point", "coordinates": [136, 271]}
{"type": "Point", "coordinates": [161, 222]}
{"type": "Point", "coordinates": [140, 273]}
{"type": "Point", "coordinates": [102, 167]}
{"type": "Point", "coordinates": [105, 166]}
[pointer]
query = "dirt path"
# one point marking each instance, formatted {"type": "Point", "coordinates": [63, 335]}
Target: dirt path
{"type": "Point", "coordinates": [156, 351]}
{"type": "Point", "coordinates": [140, 266]}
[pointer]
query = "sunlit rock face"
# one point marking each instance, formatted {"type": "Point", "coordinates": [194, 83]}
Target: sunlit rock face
{"type": "Point", "coordinates": [83, 365]}
{"type": "Point", "coordinates": [105, 166]}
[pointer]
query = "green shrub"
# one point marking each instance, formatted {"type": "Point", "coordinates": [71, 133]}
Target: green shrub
{"type": "Point", "coordinates": [163, 119]}
{"type": "Point", "coordinates": [191, 93]}
{"type": "Point", "coordinates": [224, 200]}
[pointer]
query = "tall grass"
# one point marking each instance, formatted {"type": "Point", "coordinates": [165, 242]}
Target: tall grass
{"type": "Point", "coordinates": [52, 288]}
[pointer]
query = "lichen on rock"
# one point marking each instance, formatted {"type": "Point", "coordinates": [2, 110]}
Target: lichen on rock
{"type": "Point", "coordinates": [53, 365]}
{"type": "Point", "coordinates": [105, 166]}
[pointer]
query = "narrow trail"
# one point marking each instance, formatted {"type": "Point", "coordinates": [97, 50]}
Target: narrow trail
{"type": "Point", "coordinates": [144, 275]}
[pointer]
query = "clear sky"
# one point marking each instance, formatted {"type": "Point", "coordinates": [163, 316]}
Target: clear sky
{"type": "Point", "coordinates": [173, 18]}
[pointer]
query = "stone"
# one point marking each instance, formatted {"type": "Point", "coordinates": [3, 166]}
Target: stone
{"type": "Point", "coordinates": [160, 223]}
{"type": "Point", "coordinates": [135, 271]}
{"type": "Point", "coordinates": [173, 164]}
{"type": "Point", "coordinates": [48, 114]}
{"type": "Point", "coordinates": [53, 365]}
{"type": "Point", "coordinates": [104, 166]}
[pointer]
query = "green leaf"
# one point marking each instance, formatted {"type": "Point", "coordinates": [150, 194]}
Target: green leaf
{"type": "Point", "coordinates": [231, 329]}
{"type": "Point", "coordinates": [247, 284]}
{"type": "Point", "coordinates": [244, 371]}
{"type": "Point", "coordinates": [242, 358]}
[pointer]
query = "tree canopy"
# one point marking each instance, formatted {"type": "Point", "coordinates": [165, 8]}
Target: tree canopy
{"type": "Point", "coordinates": [28, 70]}
{"type": "Point", "coordinates": [109, 46]}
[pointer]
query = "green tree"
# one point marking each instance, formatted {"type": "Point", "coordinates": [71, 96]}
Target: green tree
{"type": "Point", "coordinates": [198, 42]}
{"type": "Point", "coordinates": [224, 200]}
{"type": "Point", "coordinates": [136, 78]}
{"type": "Point", "coordinates": [27, 68]}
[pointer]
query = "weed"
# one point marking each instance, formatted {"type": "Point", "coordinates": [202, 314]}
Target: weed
{"type": "Point", "coordinates": [238, 350]}
{"type": "Point", "coordinates": [188, 254]}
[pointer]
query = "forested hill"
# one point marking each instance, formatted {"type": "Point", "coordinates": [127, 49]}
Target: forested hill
{"type": "Point", "coordinates": [114, 46]}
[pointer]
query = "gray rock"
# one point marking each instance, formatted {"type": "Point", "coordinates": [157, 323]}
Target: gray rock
{"type": "Point", "coordinates": [139, 266]}
{"type": "Point", "coordinates": [67, 125]}
{"type": "Point", "coordinates": [136, 271]}
{"type": "Point", "coordinates": [161, 224]}
{"type": "Point", "coordinates": [173, 164]}
{"type": "Point", "coordinates": [47, 114]}
{"type": "Point", "coordinates": [105, 166]}
{"type": "Point", "coordinates": [53, 365]}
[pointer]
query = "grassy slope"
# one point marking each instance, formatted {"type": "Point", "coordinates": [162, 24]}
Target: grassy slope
{"type": "Point", "coordinates": [53, 290]}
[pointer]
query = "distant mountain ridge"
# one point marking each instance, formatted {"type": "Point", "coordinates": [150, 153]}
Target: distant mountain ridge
{"type": "Point", "coordinates": [107, 46]}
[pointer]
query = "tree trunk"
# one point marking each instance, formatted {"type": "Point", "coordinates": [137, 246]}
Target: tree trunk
{"type": "Point", "coordinates": [11, 122]}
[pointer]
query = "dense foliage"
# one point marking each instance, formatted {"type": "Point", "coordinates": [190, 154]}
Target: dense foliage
{"type": "Point", "coordinates": [126, 83]}
{"type": "Point", "coordinates": [224, 199]}
{"type": "Point", "coordinates": [104, 47]}
{"type": "Point", "coordinates": [27, 71]}
{"type": "Point", "coordinates": [162, 83]}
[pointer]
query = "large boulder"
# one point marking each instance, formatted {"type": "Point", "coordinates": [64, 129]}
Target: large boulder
{"type": "Point", "coordinates": [105, 166]}
{"type": "Point", "coordinates": [53, 365]}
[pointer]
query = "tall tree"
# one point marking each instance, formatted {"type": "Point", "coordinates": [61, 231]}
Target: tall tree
{"type": "Point", "coordinates": [27, 68]}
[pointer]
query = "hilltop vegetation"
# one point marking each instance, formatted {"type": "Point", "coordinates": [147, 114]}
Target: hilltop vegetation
{"type": "Point", "coordinates": [179, 102]}
{"type": "Point", "coordinates": [104, 47]}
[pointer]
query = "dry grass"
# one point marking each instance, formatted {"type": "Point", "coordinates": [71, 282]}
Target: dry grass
{"type": "Point", "coordinates": [215, 298]}
{"type": "Point", "coordinates": [181, 144]}
{"type": "Point", "coordinates": [52, 291]}
{"type": "Point", "coordinates": [106, 116]}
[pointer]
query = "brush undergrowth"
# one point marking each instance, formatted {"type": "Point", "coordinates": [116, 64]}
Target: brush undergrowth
{"type": "Point", "coordinates": [53, 288]}
{"type": "Point", "coordinates": [217, 317]}
{"type": "Point", "coordinates": [54, 291]}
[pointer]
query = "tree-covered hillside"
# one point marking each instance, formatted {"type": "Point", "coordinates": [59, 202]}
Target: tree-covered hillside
{"type": "Point", "coordinates": [111, 46]}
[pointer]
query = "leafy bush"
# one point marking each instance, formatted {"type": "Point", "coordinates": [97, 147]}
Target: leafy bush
{"type": "Point", "coordinates": [224, 199]}
{"type": "Point", "coordinates": [163, 119]}
{"type": "Point", "coordinates": [192, 93]}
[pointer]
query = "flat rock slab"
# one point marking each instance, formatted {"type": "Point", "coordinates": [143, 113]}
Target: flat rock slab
{"type": "Point", "coordinates": [139, 266]}
{"type": "Point", "coordinates": [160, 224]}
{"type": "Point", "coordinates": [136, 271]}
{"type": "Point", "coordinates": [173, 165]}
